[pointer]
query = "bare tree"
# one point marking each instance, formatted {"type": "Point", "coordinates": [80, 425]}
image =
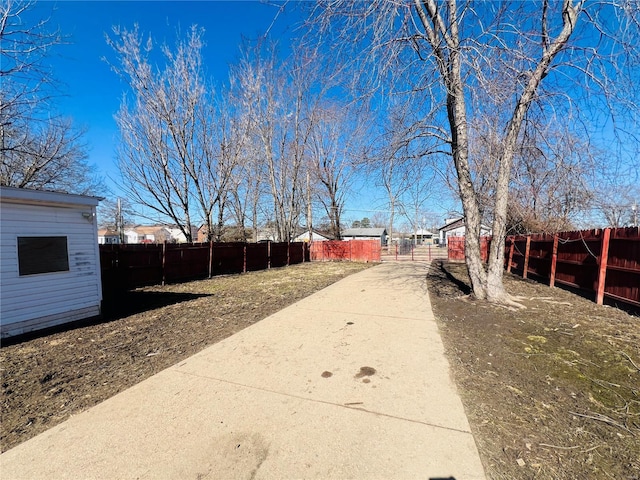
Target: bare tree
{"type": "Point", "coordinates": [115, 215]}
{"type": "Point", "coordinates": [224, 141]}
{"type": "Point", "coordinates": [45, 156]}
{"type": "Point", "coordinates": [506, 51]}
{"type": "Point", "coordinates": [38, 148]}
{"type": "Point", "coordinates": [616, 199]}
{"type": "Point", "coordinates": [277, 97]}
{"type": "Point", "coordinates": [395, 178]}
{"type": "Point", "coordinates": [26, 80]}
{"type": "Point", "coordinates": [247, 195]}
{"type": "Point", "coordinates": [550, 179]}
{"type": "Point", "coordinates": [247, 192]}
{"type": "Point", "coordinates": [550, 176]}
{"type": "Point", "coordinates": [397, 159]}
{"type": "Point", "coordinates": [166, 162]}
{"type": "Point", "coordinates": [336, 145]}
{"type": "Point", "coordinates": [421, 190]}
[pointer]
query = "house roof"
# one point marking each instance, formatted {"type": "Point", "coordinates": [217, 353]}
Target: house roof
{"type": "Point", "coordinates": [452, 224]}
{"type": "Point", "coordinates": [316, 233]}
{"type": "Point", "coordinates": [107, 232]}
{"type": "Point", "coordinates": [29, 196]}
{"type": "Point", "coordinates": [364, 232]}
{"type": "Point", "coordinates": [147, 229]}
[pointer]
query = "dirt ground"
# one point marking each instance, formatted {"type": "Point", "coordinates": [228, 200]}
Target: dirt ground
{"type": "Point", "coordinates": [552, 391]}
{"type": "Point", "coordinates": [47, 379]}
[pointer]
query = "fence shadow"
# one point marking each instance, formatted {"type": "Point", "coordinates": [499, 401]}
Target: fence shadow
{"type": "Point", "coordinates": [133, 302]}
{"type": "Point", "coordinates": [125, 304]}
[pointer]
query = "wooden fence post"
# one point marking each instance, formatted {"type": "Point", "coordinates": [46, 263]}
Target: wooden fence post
{"type": "Point", "coordinates": [164, 260]}
{"type": "Point", "coordinates": [210, 258]}
{"type": "Point", "coordinates": [602, 271]}
{"type": "Point", "coordinates": [268, 254]}
{"type": "Point", "coordinates": [244, 258]}
{"type": "Point", "coordinates": [526, 257]}
{"type": "Point", "coordinates": [511, 248]}
{"type": "Point", "coordinates": [554, 261]}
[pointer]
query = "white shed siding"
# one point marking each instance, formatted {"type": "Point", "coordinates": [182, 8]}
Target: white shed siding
{"type": "Point", "coordinates": [36, 301]}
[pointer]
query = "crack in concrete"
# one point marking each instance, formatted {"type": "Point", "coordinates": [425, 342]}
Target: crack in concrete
{"type": "Point", "coordinates": [347, 406]}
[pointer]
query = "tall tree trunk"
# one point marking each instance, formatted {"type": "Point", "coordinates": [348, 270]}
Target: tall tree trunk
{"type": "Point", "coordinates": [495, 286]}
{"type": "Point", "coordinates": [457, 115]}
{"type": "Point", "coordinates": [444, 40]}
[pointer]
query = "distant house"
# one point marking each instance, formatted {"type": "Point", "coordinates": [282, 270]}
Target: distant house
{"type": "Point", "coordinates": [146, 234]}
{"type": "Point", "coordinates": [50, 262]}
{"type": "Point", "coordinates": [108, 237]}
{"type": "Point", "coordinates": [265, 234]}
{"type": "Point", "coordinates": [176, 235]}
{"type": "Point", "coordinates": [424, 237]}
{"type": "Point", "coordinates": [157, 234]}
{"type": "Point", "coordinates": [230, 233]}
{"type": "Point", "coordinates": [455, 227]}
{"type": "Point", "coordinates": [203, 233]}
{"type": "Point", "coordinates": [366, 234]}
{"type": "Point", "coordinates": [315, 236]}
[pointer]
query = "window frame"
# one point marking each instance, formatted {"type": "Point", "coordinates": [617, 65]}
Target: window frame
{"type": "Point", "coordinates": [58, 262]}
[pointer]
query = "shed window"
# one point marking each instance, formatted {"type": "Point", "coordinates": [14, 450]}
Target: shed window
{"type": "Point", "coordinates": [42, 255]}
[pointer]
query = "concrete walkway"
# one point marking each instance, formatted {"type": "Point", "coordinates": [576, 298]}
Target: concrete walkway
{"type": "Point", "coordinates": [350, 382]}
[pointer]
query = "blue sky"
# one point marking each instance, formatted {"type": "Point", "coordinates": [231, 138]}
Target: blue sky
{"type": "Point", "coordinates": [92, 92]}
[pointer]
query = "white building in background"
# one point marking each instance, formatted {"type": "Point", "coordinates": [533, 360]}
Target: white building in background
{"type": "Point", "coordinates": [423, 237]}
{"type": "Point", "coordinates": [366, 234]}
{"type": "Point", "coordinates": [455, 227]}
{"type": "Point", "coordinates": [156, 234]}
{"type": "Point", "coordinates": [315, 235]}
{"type": "Point", "coordinates": [108, 237]}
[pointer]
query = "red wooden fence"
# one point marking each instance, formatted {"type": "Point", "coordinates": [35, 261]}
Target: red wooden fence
{"type": "Point", "coordinates": [455, 248]}
{"type": "Point", "coordinates": [129, 266]}
{"type": "Point", "coordinates": [351, 250]}
{"type": "Point", "coordinates": [601, 262]}
{"type": "Point", "coordinates": [605, 262]}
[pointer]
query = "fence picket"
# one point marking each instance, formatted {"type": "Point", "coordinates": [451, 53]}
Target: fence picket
{"type": "Point", "coordinates": [605, 263]}
{"type": "Point", "coordinates": [129, 266]}
{"type": "Point", "coordinates": [554, 261]}
{"type": "Point", "coordinates": [602, 270]}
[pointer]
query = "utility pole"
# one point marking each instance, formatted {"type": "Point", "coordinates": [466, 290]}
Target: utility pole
{"type": "Point", "coordinates": [309, 213]}
{"type": "Point", "coordinates": [119, 221]}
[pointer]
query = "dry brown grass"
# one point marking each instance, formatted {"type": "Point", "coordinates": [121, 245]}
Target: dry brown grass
{"type": "Point", "coordinates": [551, 391]}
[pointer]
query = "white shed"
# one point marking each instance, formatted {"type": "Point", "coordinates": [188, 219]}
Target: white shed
{"type": "Point", "coordinates": [49, 259]}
